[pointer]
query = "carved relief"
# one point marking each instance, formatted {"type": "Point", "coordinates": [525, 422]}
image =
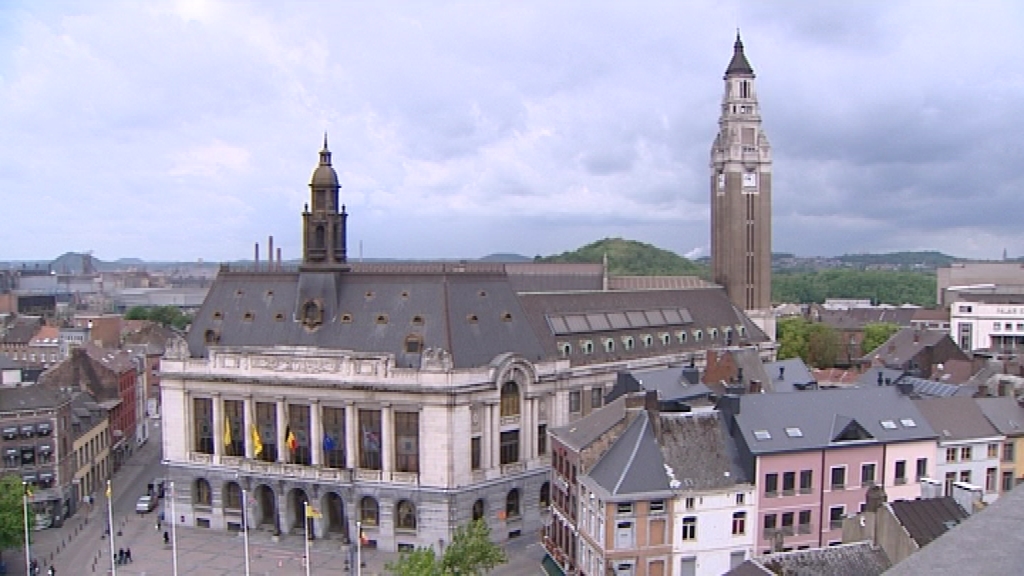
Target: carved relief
{"type": "Point", "coordinates": [177, 349]}
{"type": "Point", "coordinates": [474, 414]}
{"type": "Point", "coordinates": [435, 360]}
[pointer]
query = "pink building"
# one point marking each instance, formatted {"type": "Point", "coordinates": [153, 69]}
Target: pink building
{"type": "Point", "coordinates": [814, 453]}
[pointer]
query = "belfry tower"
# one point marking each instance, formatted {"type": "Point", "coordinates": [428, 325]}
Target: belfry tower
{"type": "Point", "coordinates": [741, 197]}
{"type": "Point", "coordinates": [323, 221]}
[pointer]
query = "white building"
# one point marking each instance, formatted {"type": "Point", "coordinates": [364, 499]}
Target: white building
{"type": "Point", "coordinates": [715, 529]}
{"type": "Point", "coordinates": [968, 446]}
{"type": "Point", "coordinates": [976, 324]}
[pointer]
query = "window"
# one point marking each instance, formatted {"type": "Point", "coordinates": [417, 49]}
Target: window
{"type": "Point", "coordinates": [369, 449]}
{"type": "Point", "coordinates": [950, 454]}
{"type": "Point", "coordinates": [689, 503]}
{"type": "Point", "coordinates": [232, 496]}
{"type": "Point", "coordinates": [794, 432]}
{"type": "Point", "coordinates": [947, 488]}
{"type": "Point", "coordinates": [413, 344]}
{"type": "Point", "coordinates": [542, 439]}
{"type": "Point", "coordinates": [509, 450]}
{"type": "Point", "coordinates": [624, 539]}
{"type": "Point", "coordinates": [203, 494]}
{"type": "Point", "coordinates": [587, 346]}
{"type": "Point", "coordinates": [609, 345]}
{"type": "Point", "coordinates": [656, 507]}
{"type": "Point", "coordinates": [407, 442]}
{"type": "Point", "coordinates": [908, 423]}
{"type": "Point", "coordinates": [769, 524]}
{"type": "Point", "coordinates": [867, 474]}
{"type": "Point", "coordinates": [574, 402]}
{"type": "Point", "coordinates": [628, 343]}
{"type": "Point", "coordinates": [596, 397]}
{"type": "Point", "coordinates": [762, 435]}
{"type": "Point", "coordinates": [1007, 481]}
{"type": "Point", "coordinates": [990, 480]}
{"type": "Point", "coordinates": [771, 485]}
{"type": "Point", "coordinates": [624, 508]}
{"type": "Point", "coordinates": [368, 511]}
{"type": "Point", "coordinates": [993, 450]}
{"type": "Point", "coordinates": [996, 326]}
{"type": "Point", "coordinates": [478, 509]}
{"type": "Point", "coordinates": [787, 523]}
{"type": "Point", "coordinates": [406, 513]}
{"type": "Point", "coordinates": [565, 348]}
{"type": "Point", "coordinates": [838, 477]}
{"type": "Point", "coordinates": [509, 399]}
{"type": "Point", "coordinates": [805, 481]}
{"type": "Point", "coordinates": [965, 453]}
{"type": "Point", "coordinates": [681, 336]}
{"type": "Point", "coordinates": [788, 483]}
{"type": "Point", "coordinates": [804, 522]}
{"type": "Point", "coordinates": [666, 338]}
{"type": "Point", "coordinates": [689, 530]}
{"type": "Point", "coordinates": [512, 504]}
{"type": "Point", "coordinates": [835, 517]}
{"type": "Point", "coordinates": [901, 472]}
{"type": "Point", "coordinates": [965, 476]}
{"type": "Point", "coordinates": [922, 468]}
{"type": "Point", "coordinates": [740, 498]}
{"type": "Point", "coordinates": [698, 335]}
{"type": "Point", "coordinates": [474, 453]}
{"type": "Point", "coordinates": [1008, 452]}
{"type": "Point", "coordinates": [545, 495]}
{"type": "Point", "coordinates": [739, 523]}
{"type": "Point", "coordinates": [889, 424]}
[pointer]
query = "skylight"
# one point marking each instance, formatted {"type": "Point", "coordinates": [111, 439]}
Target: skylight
{"type": "Point", "coordinates": [908, 423]}
{"type": "Point", "coordinates": [762, 435]}
{"type": "Point", "coordinates": [888, 424]}
{"type": "Point", "coordinates": [794, 433]}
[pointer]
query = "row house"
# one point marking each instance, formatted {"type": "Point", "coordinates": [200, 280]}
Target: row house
{"type": "Point", "coordinates": [90, 428]}
{"type": "Point", "coordinates": [1007, 416]}
{"type": "Point", "coordinates": [642, 489]}
{"type": "Point", "coordinates": [813, 454]}
{"type": "Point", "coordinates": [969, 445]}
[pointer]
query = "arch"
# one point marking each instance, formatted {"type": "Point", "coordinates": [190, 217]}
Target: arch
{"type": "Point", "coordinates": [266, 506]}
{"type": "Point", "coordinates": [232, 496]}
{"type": "Point", "coordinates": [296, 509]}
{"type": "Point", "coordinates": [405, 515]}
{"type": "Point", "coordinates": [478, 509]}
{"type": "Point", "coordinates": [369, 511]}
{"type": "Point", "coordinates": [545, 494]}
{"type": "Point", "coordinates": [512, 503]}
{"type": "Point", "coordinates": [333, 509]}
{"type": "Point", "coordinates": [509, 399]}
{"type": "Point", "coordinates": [202, 495]}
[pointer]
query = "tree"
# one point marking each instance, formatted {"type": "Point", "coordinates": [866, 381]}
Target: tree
{"type": "Point", "coordinates": [471, 553]}
{"type": "Point", "coordinates": [137, 313]}
{"type": "Point", "coordinates": [822, 346]}
{"type": "Point", "coordinates": [792, 337]}
{"type": "Point", "coordinates": [12, 513]}
{"type": "Point", "coordinates": [875, 334]}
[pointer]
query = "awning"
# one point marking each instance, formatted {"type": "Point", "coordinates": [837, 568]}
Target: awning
{"type": "Point", "coordinates": [551, 568]}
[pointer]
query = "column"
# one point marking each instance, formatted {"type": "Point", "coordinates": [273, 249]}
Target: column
{"type": "Point", "coordinates": [494, 442]}
{"type": "Point", "coordinates": [486, 430]}
{"type": "Point", "coordinates": [527, 432]}
{"type": "Point", "coordinates": [387, 440]}
{"type": "Point", "coordinates": [351, 433]}
{"type": "Point", "coordinates": [190, 426]}
{"type": "Point", "coordinates": [282, 422]}
{"type": "Point", "coordinates": [248, 421]}
{"type": "Point", "coordinates": [316, 434]}
{"type": "Point", "coordinates": [218, 427]}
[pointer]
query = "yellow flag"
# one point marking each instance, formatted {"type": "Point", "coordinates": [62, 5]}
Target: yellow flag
{"type": "Point", "coordinates": [227, 432]}
{"type": "Point", "coordinates": [257, 444]}
{"type": "Point", "coordinates": [312, 512]}
{"type": "Point", "coordinates": [108, 488]}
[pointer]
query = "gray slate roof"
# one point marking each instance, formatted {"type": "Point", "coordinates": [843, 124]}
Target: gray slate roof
{"type": "Point", "coordinates": [926, 519]}
{"type": "Point", "coordinates": [795, 372]}
{"type": "Point", "coordinates": [29, 398]}
{"type": "Point", "coordinates": [858, 559]}
{"type": "Point", "coordinates": [582, 432]}
{"type": "Point", "coordinates": [821, 415]}
{"type": "Point", "coordinates": [694, 453]}
{"type": "Point", "coordinates": [670, 383]}
{"type": "Point", "coordinates": [956, 418]}
{"type": "Point", "coordinates": [1004, 413]}
{"type": "Point", "coordinates": [931, 388]}
{"type": "Point", "coordinates": [986, 544]}
{"type": "Point", "coordinates": [870, 376]}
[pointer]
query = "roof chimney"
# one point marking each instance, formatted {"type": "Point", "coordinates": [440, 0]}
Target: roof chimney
{"type": "Point", "coordinates": [739, 375]}
{"type": "Point", "coordinates": [755, 386]}
{"type": "Point", "coordinates": [876, 497]}
{"type": "Point", "coordinates": [256, 256]}
{"type": "Point", "coordinates": [917, 335]}
{"type": "Point", "coordinates": [982, 391]}
{"type": "Point", "coordinates": [782, 372]}
{"type": "Point", "coordinates": [880, 378]}
{"type": "Point", "coordinates": [905, 388]}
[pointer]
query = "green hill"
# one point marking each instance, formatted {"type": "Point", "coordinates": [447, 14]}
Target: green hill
{"type": "Point", "coordinates": [630, 258]}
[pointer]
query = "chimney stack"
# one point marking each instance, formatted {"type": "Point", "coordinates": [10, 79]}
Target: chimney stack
{"type": "Point", "coordinates": [880, 378]}
{"type": "Point", "coordinates": [256, 256]}
{"type": "Point", "coordinates": [279, 258]}
{"type": "Point", "coordinates": [782, 372]}
{"type": "Point", "coordinates": [755, 386]}
{"type": "Point", "coordinates": [876, 497]}
{"type": "Point", "coordinates": [270, 253]}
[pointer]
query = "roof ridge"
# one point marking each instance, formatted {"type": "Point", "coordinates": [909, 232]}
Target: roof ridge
{"type": "Point", "coordinates": [632, 455]}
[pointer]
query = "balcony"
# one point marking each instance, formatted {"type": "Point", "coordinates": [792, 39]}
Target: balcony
{"type": "Point", "coordinates": [513, 468]}
{"type": "Point", "coordinates": [274, 469]}
{"type": "Point", "coordinates": [804, 528]}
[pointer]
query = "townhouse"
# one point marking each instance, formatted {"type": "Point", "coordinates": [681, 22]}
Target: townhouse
{"type": "Point", "coordinates": [1007, 416]}
{"type": "Point", "coordinates": [968, 444]}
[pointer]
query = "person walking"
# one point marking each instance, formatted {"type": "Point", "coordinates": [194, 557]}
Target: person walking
{"type": "Point", "coordinates": [128, 555]}
{"type": "Point", "coordinates": [167, 538]}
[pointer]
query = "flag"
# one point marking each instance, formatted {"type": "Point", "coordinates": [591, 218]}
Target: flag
{"type": "Point", "coordinates": [257, 444]}
{"type": "Point", "coordinates": [370, 443]}
{"type": "Point", "coordinates": [28, 490]}
{"type": "Point", "coordinates": [108, 488]}
{"type": "Point", "coordinates": [312, 512]}
{"type": "Point", "coordinates": [289, 439]}
{"type": "Point", "coordinates": [328, 443]}
{"type": "Point", "coordinates": [227, 432]}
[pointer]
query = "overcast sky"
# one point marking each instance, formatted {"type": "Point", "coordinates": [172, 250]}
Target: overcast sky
{"type": "Point", "coordinates": [186, 130]}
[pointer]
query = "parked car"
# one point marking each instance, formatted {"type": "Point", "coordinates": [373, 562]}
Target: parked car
{"type": "Point", "coordinates": [145, 504]}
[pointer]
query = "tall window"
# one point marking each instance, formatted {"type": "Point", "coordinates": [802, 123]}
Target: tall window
{"type": "Point", "coordinates": [233, 421]}
{"type": "Point", "coordinates": [298, 420]}
{"type": "Point", "coordinates": [478, 509]}
{"type": "Point", "coordinates": [990, 480]}
{"type": "Point", "coordinates": [202, 416]}
{"type": "Point", "coordinates": [838, 477]}
{"type": "Point", "coordinates": [806, 478]}
{"type": "Point", "coordinates": [369, 444]}
{"type": "Point", "coordinates": [512, 504]}
{"type": "Point", "coordinates": [835, 517]}
{"type": "Point", "coordinates": [368, 511]}
{"type": "Point", "coordinates": [474, 453]}
{"type": "Point", "coordinates": [867, 474]}
{"type": "Point", "coordinates": [203, 495]}
{"type": "Point", "coordinates": [545, 495]}
{"type": "Point", "coordinates": [689, 528]}
{"type": "Point", "coordinates": [788, 483]}
{"type": "Point", "coordinates": [542, 439]}
{"type": "Point", "coordinates": [509, 399]}
{"type": "Point", "coordinates": [406, 516]}
{"type": "Point", "coordinates": [1008, 452]}
{"type": "Point", "coordinates": [922, 468]}
{"type": "Point", "coordinates": [407, 441]}
{"type": "Point", "coordinates": [739, 523]}
{"type": "Point", "coordinates": [266, 424]}
{"type": "Point", "coordinates": [804, 520]}
{"type": "Point", "coordinates": [509, 447]}
{"type": "Point", "coordinates": [232, 496]}
{"type": "Point", "coordinates": [334, 437]}
{"type": "Point", "coordinates": [771, 484]}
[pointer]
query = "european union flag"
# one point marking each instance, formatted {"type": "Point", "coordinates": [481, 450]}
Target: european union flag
{"type": "Point", "coordinates": [328, 443]}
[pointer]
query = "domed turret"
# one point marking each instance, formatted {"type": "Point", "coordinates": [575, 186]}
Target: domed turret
{"type": "Point", "coordinates": [323, 219]}
{"type": "Point", "coordinates": [324, 175]}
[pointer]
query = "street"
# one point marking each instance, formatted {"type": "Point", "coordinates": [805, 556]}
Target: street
{"type": "Point", "coordinates": [80, 548]}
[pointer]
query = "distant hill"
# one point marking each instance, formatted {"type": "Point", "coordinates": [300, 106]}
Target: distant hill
{"type": "Point", "coordinates": [506, 257]}
{"type": "Point", "coordinates": [925, 260]}
{"type": "Point", "coordinates": [630, 258]}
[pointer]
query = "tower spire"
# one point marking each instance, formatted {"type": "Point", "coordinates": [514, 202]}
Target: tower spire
{"type": "Point", "coordinates": [739, 63]}
{"type": "Point", "coordinates": [325, 138]}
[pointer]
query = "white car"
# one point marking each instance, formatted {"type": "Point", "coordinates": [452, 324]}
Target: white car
{"type": "Point", "coordinates": [145, 504]}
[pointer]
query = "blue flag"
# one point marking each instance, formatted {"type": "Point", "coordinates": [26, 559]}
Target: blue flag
{"type": "Point", "coordinates": [328, 443]}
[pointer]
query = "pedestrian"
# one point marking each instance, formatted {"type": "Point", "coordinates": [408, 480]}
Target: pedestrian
{"type": "Point", "coordinates": [120, 555]}
{"type": "Point", "coordinates": [128, 555]}
{"type": "Point", "coordinates": [167, 538]}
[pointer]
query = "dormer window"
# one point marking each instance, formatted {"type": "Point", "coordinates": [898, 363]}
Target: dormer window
{"type": "Point", "coordinates": [609, 345]}
{"type": "Point", "coordinates": [565, 348]}
{"type": "Point", "coordinates": [587, 346]}
{"type": "Point", "coordinates": [381, 319]}
{"type": "Point", "coordinates": [312, 314]}
{"type": "Point", "coordinates": [681, 336]}
{"type": "Point", "coordinates": [648, 341]}
{"type": "Point", "coordinates": [472, 318]}
{"type": "Point", "coordinates": [413, 344]}
{"type": "Point", "coordinates": [346, 318]}
{"type": "Point", "coordinates": [218, 315]}
{"type": "Point", "coordinates": [506, 316]}
{"type": "Point", "coordinates": [713, 333]}
{"type": "Point", "coordinates": [279, 317]}
{"type": "Point", "coordinates": [628, 343]}
{"type": "Point", "coordinates": [698, 336]}
{"type": "Point", "coordinates": [248, 317]}
{"type": "Point", "coordinates": [417, 320]}
{"type": "Point", "coordinates": [666, 338]}
{"type": "Point", "coordinates": [211, 337]}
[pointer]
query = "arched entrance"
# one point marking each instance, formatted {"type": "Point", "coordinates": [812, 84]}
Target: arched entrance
{"type": "Point", "coordinates": [297, 499]}
{"type": "Point", "coordinates": [265, 514]}
{"type": "Point", "coordinates": [334, 516]}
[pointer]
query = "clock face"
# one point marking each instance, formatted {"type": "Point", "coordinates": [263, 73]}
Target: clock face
{"type": "Point", "coordinates": [749, 179]}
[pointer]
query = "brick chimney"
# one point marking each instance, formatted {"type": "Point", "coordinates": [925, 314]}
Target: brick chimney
{"type": "Point", "coordinates": [755, 386]}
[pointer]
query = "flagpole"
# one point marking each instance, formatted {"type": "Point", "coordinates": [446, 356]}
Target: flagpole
{"type": "Point", "coordinates": [110, 521]}
{"type": "Point", "coordinates": [305, 520]}
{"type": "Point", "coordinates": [245, 528]}
{"type": "Point", "coordinates": [359, 548]}
{"type": "Point", "coordinates": [174, 535]}
{"type": "Point", "coordinates": [28, 552]}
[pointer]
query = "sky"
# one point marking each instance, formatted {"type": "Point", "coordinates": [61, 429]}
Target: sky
{"type": "Point", "coordinates": [186, 130]}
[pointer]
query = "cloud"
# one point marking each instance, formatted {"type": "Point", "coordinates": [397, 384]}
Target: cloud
{"type": "Point", "coordinates": [184, 129]}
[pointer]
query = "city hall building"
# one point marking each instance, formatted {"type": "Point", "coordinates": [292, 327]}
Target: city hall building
{"type": "Point", "coordinates": [411, 397]}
